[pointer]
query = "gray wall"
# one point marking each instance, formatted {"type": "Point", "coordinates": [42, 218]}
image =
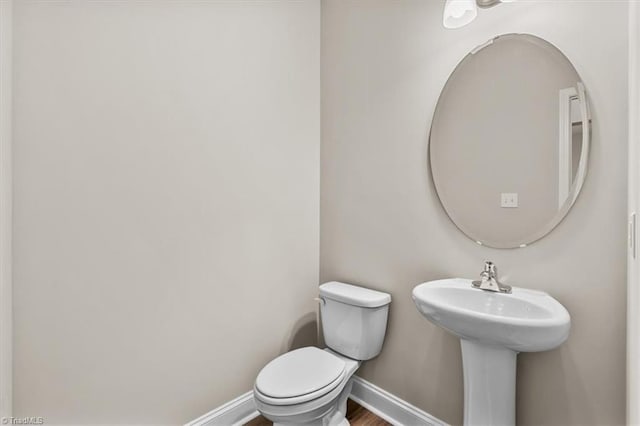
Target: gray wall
{"type": "Point", "coordinates": [384, 64]}
{"type": "Point", "coordinates": [6, 86]}
{"type": "Point", "coordinates": [166, 203]}
{"type": "Point", "coordinates": [633, 264]}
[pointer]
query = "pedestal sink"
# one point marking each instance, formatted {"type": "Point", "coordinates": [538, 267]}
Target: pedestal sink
{"type": "Point", "coordinates": [493, 328]}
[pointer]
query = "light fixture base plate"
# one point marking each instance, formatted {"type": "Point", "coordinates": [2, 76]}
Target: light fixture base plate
{"type": "Point", "coordinates": [487, 3]}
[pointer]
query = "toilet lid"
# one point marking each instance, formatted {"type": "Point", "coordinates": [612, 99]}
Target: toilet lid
{"type": "Point", "coordinates": [300, 372]}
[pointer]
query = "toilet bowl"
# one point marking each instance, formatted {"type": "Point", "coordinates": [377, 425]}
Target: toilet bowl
{"type": "Point", "coordinates": [310, 386]}
{"type": "Point", "coordinates": [305, 386]}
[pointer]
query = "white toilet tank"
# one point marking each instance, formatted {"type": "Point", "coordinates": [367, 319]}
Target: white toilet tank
{"type": "Point", "coordinates": [354, 319]}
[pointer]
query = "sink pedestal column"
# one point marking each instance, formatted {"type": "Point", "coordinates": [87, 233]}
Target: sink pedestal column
{"type": "Point", "coordinates": [489, 384]}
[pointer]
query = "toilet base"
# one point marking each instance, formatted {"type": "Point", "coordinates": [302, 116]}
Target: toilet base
{"type": "Point", "coordinates": [344, 422]}
{"type": "Point", "coordinates": [337, 416]}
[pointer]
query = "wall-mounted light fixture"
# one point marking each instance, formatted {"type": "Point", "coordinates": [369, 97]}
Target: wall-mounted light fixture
{"type": "Point", "coordinates": [458, 13]}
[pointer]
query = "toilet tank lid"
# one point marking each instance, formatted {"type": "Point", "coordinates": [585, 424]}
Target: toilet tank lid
{"type": "Point", "coordinates": [354, 295]}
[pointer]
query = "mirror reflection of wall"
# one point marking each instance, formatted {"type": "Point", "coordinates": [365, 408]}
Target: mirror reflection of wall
{"type": "Point", "coordinates": [576, 136]}
{"type": "Point", "coordinates": [506, 141]}
{"type": "Point", "coordinates": [569, 141]}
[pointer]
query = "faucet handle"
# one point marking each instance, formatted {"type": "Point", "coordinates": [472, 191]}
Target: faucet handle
{"type": "Point", "coordinates": [490, 269]}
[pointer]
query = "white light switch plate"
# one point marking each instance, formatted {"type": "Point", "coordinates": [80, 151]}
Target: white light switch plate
{"type": "Point", "coordinates": [509, 199]}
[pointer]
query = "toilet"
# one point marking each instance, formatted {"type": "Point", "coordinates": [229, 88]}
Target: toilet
{"type": "Point", "coordinates": [310, 386]}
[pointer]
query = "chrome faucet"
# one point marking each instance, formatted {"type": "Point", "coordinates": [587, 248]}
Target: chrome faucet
{"type": "Point", "coordinates": [489, 280]}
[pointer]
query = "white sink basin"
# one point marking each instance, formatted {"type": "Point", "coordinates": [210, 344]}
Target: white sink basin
{"type": "Point", "coordinates": [523, 321]}
{"type": "Point", "coordinates": [493, 328]}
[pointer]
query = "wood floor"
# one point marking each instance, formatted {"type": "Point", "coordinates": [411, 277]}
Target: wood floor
{"type": "Point", "coordinates": [356, 414]}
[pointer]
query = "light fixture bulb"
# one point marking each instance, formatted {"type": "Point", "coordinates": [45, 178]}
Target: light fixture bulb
{"type": "Point", "coordinates": [458, 13]}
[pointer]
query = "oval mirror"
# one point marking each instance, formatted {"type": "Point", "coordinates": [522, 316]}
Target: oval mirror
{"type": "Point", "coordinates": [509, 141]}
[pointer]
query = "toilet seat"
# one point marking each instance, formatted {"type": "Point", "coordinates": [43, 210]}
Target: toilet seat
{"type": "Point", "coordinates": [300, 376]}
{"type": "Point", "coordinates": [308, 408]}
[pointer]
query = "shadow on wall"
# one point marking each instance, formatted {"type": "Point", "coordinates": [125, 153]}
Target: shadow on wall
{"type": "Point", "coordinates": [537, 371]}
{"type": "Point", "coordinates": [304, 333]}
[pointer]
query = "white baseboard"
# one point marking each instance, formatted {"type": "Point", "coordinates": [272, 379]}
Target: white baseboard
{"type": "Point", "coordinates": [233, 413]}
{"type": "Point", "coordinates": [380, 402]}
{"type": "Point", "coordinates": [389, 407]}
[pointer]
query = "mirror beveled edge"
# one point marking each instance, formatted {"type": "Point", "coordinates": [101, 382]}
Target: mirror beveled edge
{"type": "Point", "coordinates": [581, 173]}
